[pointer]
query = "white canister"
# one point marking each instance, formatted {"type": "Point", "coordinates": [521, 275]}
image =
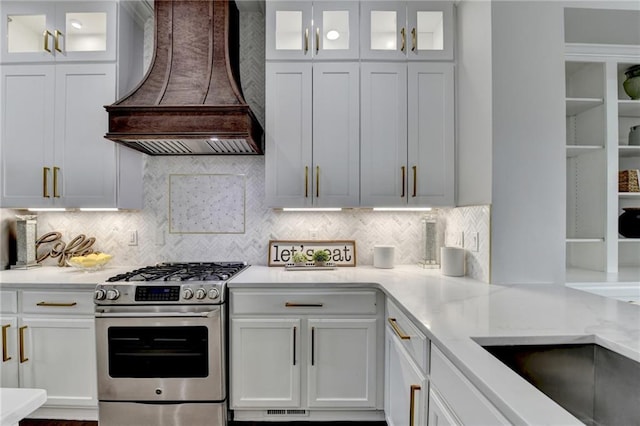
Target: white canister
{"type": "Point", "coordinates": [452, 261]}
{"type": "Point", "coordinates": [383, 256]}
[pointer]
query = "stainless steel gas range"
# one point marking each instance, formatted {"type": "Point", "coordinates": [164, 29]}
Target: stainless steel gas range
{"type": "Point", "coordinates": [161, 336]}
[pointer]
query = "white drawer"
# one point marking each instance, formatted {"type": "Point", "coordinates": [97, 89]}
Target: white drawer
{"type": "Point", "coordinates": [303, 302]}
{"type": "Point", "coordinates": [8, 302]}
{"type": "Point", "coordinates": [413, 340]}
{"type": "Point", "coordinates": [57, 302]}
{"type": "Point", "coordinates": [466, 401]}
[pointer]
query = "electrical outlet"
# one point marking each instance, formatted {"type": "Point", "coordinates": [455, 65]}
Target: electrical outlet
{"type": "Point", "coordinates": [133, 238]}
{"type": "Point", "coordinates": [473, 241]}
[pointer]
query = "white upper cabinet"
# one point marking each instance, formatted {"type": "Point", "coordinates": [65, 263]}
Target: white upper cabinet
{"type": "Point", "coordinates": [58, 31]}
{"type": "Point", "coordinates": [319, 30]}
{"type": "Point", "coordinates": [414, 30]}
{"type": "Point", "coordinates": [407, 146]}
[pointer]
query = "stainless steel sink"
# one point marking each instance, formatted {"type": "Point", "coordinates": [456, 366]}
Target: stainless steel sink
{"type": "Point", "coordinates": [595, 384]}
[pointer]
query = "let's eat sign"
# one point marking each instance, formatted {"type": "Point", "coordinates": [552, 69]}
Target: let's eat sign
{"type": "Point", "coordinates": [341, 252]}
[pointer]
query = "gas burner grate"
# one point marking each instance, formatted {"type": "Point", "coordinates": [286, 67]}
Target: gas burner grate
{"type": "Point", "coordinates": [183, 271]}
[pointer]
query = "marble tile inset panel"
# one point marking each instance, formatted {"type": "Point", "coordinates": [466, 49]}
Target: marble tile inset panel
{"type": "Point", "coordinates": [207, 204]}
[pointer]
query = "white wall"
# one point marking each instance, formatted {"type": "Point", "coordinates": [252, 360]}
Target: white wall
{"type": "Point", "coordinates": [528, 181]}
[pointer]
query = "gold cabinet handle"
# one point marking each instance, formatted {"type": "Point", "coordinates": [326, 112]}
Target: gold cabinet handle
{"type": "Point", "coordinates": [306, 181]}
{"type": "Point", "coordinates": [413, 40]}
{"type": "Point", "coordinates": [415, 180]}
{"type": "Point", "coordinates": [56, 304]}
{"type": "Point", "coordinates": [317, 40]}
{"type": "Point", "coordinates": [23, 358]}
{"type": "Point", "coordinates": [303, 305]}
{"type": "Point", "coordinates": [294, 345]}
{"type": "Point", "coordinates": [412, 403]}
{"type": "Point", "coordinates": [46, 34]}
{"type": "Point", "coordinates": [403, 33]}
{"type": "Point", "coordinates": [313, 346]}
{"type": "Point", "coordinates": [56, 194]}
{"type": "Point", "coordinates": [56, 40]}
{"type": "Point", "coordinates": [403, 180]}
{"type": "Point", "coordinates": [317, 181]}
{"type": "Point", "coordinates": [397, 329]}
{"type": "Point", "coordinates": [306, 40]}
{"type": "Point", "coordinates": [45, 183]}
{"type": "Point", "coordinates": [5, 349]}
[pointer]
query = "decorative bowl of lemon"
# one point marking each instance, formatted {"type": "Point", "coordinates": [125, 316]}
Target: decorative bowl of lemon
{"type": "Point", "coordinates": [90, 262]}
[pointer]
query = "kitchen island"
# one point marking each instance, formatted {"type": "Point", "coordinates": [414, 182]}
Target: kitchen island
{"type": "Point", "coordinates": [457, 313]}
{"type": "Point", "coordinates": [454, 313]}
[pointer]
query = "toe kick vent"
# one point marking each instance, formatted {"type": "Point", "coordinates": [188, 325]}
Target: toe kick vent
{"type": "Point", "coordinates": [287, 413]}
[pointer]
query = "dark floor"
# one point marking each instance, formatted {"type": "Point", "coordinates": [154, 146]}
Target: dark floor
{"type": "Point", "coordinates": [38, 422]}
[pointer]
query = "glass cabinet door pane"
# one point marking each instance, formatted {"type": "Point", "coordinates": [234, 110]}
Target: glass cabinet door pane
{"type": "Point", "coordinates": [335, 34]}
{"type": "Point", "coordinates": [430, 31]}
{"type": "Point", "coordinates": [26, 33]}
{"type": "Point", "coordinates": [383, 30]}
{"type": "Point", "coordinates": [85, 32]}
{"type": "Point", "coordinates": [288, 30]}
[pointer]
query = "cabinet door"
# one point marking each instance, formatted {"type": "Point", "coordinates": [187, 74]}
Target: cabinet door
{"type": "Point", "coordinates": [27, 120]}
{"type": "Point", "coordinates": [431, 134]}
{"type": "Point", "coordinates": [10, 355]}
{"type": "Point", "coordinates": [383, 32]}
{"type": "Point", "coordinates": [336, 135]}
{"type": "Point", "coordinates": [406, 387]}
{"type": "Point", "coordinates": [88, 31]}
{"type": "Point", "coordinates": [335, 30]}
{"type": "Point", "coordinates": [24, 26]}
{"type": "Point", "coordinates": [85, 163]}
{"type": "Point", "coordinates": [439, 413]}
{"type": "Point", "coordinates": [430, 30]}
{"type": "Point", "coordinates": [288, 30]}
{"type": "Point", "coordinates": [342, 363]}
{"type": "Point", "coordinates": [265, 366]}
{"type": "Point", "coordinates": [383, 148]}
{"type": "Point", "coordinates": [288, 134]}
{"type": "Point", "coordinates": [61, 359]}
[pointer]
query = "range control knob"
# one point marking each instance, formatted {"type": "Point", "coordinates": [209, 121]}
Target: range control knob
{"type": "Point", "coordinates": [113, 294]}
{"type": "Point", "coordinates": [187, 293]}
{"type": "Point", "coordinates": [214, 293]}
{"type": "Point", "coordinates": [100, 294]}
{"type": "Point", "coordinates": [200, 293]}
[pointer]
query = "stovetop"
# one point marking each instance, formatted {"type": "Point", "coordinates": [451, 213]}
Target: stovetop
{"type": "Point", "coordinates": [169, 283]}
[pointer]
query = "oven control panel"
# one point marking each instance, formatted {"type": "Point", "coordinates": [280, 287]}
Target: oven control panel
{"type": "Point", "coordinates": [150, 294]}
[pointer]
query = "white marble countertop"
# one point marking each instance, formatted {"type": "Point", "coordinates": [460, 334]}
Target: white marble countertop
{"type": "Point", "coordinates": [18, 403]}
{"type": "Point", "coordinates": [453, 312]}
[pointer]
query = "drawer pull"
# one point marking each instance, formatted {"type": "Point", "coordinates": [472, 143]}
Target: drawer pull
{"type": "Point", "coordinates": [398, 331]}
{"type": "Point", "coordinates": [59, 305]}
{"type": "Point", "coordinates": [23, 358]}
{"type": "Point", "coordinates": [5, 350]}
{"type": "Point", "coordinates": [412, 403]}
{"type": "Point", "coordinates": [313, 346]}
{"type": "Point", "coordinates": [303, 305]}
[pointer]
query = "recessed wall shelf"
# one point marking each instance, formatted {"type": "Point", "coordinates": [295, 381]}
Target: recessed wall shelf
{"type": "Point", "coordinates": [576, 150]}
{"type": "Point", "coordinates": [629, 108]}
{"type": "Point", "coordinates": [577, 106]}
{"type": "Point", "coordinates": [629, 151]}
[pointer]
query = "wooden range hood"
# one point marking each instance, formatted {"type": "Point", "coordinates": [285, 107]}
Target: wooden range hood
{"type": "Point", "coordinates": [190, 102]}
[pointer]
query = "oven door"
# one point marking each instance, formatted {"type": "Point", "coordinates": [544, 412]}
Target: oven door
{"type": "Point", "coordinates": [161, 356]}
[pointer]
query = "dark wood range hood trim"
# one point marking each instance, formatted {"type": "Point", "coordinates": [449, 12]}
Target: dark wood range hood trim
{"type": "Point", "coordinates": [191, 93]}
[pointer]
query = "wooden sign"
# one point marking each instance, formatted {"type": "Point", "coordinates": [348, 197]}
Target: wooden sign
{"type": "Point", "coordinates": [341, 252]}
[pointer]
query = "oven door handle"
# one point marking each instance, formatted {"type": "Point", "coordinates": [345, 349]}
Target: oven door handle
{"type": "Point", "coordinates": [207, 314]}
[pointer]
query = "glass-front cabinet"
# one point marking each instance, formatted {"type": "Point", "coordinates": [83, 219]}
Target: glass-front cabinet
{"type": "Point", "coordinates": [58, 31]}
{"type": "Point", "coordinates": [414, 30]}
{"type": "Point", "coordinates": [312, 30]}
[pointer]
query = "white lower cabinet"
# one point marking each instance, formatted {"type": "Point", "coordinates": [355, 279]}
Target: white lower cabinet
{"type": "Point", "coordinates": [305, 354]}
{"type": "Point", "coordinates": [465, 402]}
{"type": "Point", "coordinates": [49, 343]}
{"type": "Point", "coordinates": [407, 387]}
{"type": "Point", "coordinates": [439, 413]}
